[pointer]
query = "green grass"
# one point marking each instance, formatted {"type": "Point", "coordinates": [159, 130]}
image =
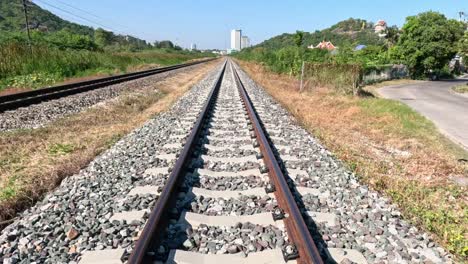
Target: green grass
{"type": "Point", "coordinates": [33, 80]}
{"type": "Point", "coordinates": [463, 88]}
{"type": "Point", "coordinates": [410, 123]}
{"type": "Point", "coordinates": [421, 202]}
{"type": "Point", "coordinates": [60, 149]}
{"type": "Point", "coordinates": [10, 190]}
{"type": "Point", "coordinates": [48, 65]}
{"type": "Point", "coordinates": [342, 78]}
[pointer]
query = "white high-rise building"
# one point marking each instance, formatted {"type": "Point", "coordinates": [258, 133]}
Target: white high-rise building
{"type": "Point", "coordinates": [236, 35]}
{"type": "Point", "coordinates": [193, 46]}
{"type": "Point", "coordinates": [245, 42]}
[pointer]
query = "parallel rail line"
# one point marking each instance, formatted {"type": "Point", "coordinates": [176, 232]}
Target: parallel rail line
{"type": "Point", "coordinates": [23, 99]}
{"type": "Point", "coordinates": [295, 224]}
{"type": "Point", "coordinates": [152, 234]}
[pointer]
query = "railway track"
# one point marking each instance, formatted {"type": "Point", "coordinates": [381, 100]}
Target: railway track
{"type": "Point", "coordinates": [23, 99]}
{"type": "Point", "coordinates": [228, 117]}
{"type": "Point", "coordinates": [225, 176]}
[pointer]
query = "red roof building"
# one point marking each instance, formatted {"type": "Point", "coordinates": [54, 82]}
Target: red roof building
{"type": "Point", "coordinates": [324, 45]}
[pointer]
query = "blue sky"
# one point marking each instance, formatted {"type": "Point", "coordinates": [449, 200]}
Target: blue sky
{"type": "Point", "coordinates": [208, 22]}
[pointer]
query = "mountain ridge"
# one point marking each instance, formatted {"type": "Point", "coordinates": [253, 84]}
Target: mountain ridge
{"type": "Point", "coordinates": [12, 19]}
{"type": "Point", "coordinates": [346, 32]}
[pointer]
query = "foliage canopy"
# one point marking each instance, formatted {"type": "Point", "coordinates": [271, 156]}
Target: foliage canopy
{"type": "Point", "coordinates": [428, 42]}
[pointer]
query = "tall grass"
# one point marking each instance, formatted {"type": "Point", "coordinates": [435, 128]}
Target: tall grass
{"type": "Point", "coordinates": [163, 56]}
{"type": "Point", "coordinates": [321, 69]}
{"type": "Point", "coordinates": [342, 78]}
{"type": "Point", "coordinates": [17, 60]}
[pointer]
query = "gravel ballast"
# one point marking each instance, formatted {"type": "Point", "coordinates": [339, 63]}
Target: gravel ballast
{"type": "Point", "coordinates": [227, 123]}
{"type": "Point", "coordinates": [76, 217]}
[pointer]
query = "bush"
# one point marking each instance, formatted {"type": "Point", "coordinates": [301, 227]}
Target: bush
{"type": "Point", "coordinates": [320, 68]}
{"type": "Point", "coordinates": [342, 78]}
{"type": "Point", "coordinates": [18, 66]}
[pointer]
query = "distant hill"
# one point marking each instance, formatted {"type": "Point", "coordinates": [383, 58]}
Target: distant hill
{"type": "Point", "coordinates": [350, 31]}
{"type": "Point", "coordinates": [12, 19]}
{"type": "Point", "coordinates": [59, 32]}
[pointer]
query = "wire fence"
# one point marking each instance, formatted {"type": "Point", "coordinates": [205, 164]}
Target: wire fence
{"type": "Point", "coordinates": [347, 78]}
{"type": "Point", "coordinates": [379, 73]}
{"type": "Point", "coordinates": [342, 78]}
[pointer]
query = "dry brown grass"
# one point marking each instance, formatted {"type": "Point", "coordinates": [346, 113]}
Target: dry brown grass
{"type": "Point", "coordinates": [33, 162]}
{"type": "Point", "coordinates": [390, 147]}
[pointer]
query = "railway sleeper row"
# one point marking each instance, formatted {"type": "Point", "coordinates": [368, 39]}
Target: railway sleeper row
{"type": "Point", "coordinates": [225, 207]}
{"type": "Point", "coordinates": [203, 227]}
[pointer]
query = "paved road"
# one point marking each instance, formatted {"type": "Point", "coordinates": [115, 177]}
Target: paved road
{"type": "Point", "coordinates": [436, 101]}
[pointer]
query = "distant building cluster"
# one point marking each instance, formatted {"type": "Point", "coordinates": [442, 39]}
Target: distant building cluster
{"type": "Point", "coordinates": [238, 42]}
{"type": "Point", "coordinates": [219, 52]}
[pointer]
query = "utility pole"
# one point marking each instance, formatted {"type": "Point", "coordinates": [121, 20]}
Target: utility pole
{"type": "Point", "coordinates": [25, 8]}
{"type": "Point", "coordinates": [302, 77]}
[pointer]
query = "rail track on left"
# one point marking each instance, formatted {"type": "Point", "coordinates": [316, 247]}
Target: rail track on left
{"type": "Point", "coordinates": [38, 108]}
{"type": "Point", "coordinates": [23, 99]}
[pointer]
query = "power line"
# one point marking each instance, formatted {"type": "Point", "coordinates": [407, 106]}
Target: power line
{"type": "Point", "coordinates": [89, 13]}
{"type": "Point", "coordinates": [79, 9]}
{"type": "Point", "coordinates": [101, 19]}
{"type": "Point", "coordinates": [78, 16]}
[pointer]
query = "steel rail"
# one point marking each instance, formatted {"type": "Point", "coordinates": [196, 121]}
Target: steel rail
{"type": "Point", "coordinates": [157, 222]}
{"type": "Point", "coordinates": [294, 222]}
{"type": "Point", "coordinates": [14, 101]}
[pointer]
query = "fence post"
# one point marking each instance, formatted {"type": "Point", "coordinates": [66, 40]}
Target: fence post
{"type": "Point", "coordinates": [302, 77]}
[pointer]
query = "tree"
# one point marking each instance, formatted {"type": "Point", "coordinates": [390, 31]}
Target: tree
{"type": "Point", "coordinates": [316, 55]}
{"type": "Point", "coordinates": [463, 47]}
{"type": "Point", "coordinates": [345, 54]}
{"type": "Point", "coordinates": [103, 38]}
{"type": "Point", "coordinates": [428, 42]}
{"type": "Point", "coordinates": [66, 39]}
{"type": "Point", "coordinates": [299, 38]}
{"type": "Point", "coordinates": [165, 44]}
{"type": "Point", "coordinates": [289, 60]}
{"type": "Point", "coordinates": [391, 35]}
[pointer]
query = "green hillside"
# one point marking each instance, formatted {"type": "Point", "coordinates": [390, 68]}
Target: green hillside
{"type": "Point", "coordinates": [12, 19]}
{"type": "Point", "coordinates": [48, 28]}
{"type": "Point", "coordinates": [61, 49]}
{"type": "Point", "coordinates": [350, 31]}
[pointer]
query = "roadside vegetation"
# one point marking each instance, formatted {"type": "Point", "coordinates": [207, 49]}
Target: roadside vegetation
{"type": "Point", "coordinates": [34, 161]}
{"type": "Point", "coordinates": [389, 146]}
{"type": "Point", "coordinates": [417, 45]}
